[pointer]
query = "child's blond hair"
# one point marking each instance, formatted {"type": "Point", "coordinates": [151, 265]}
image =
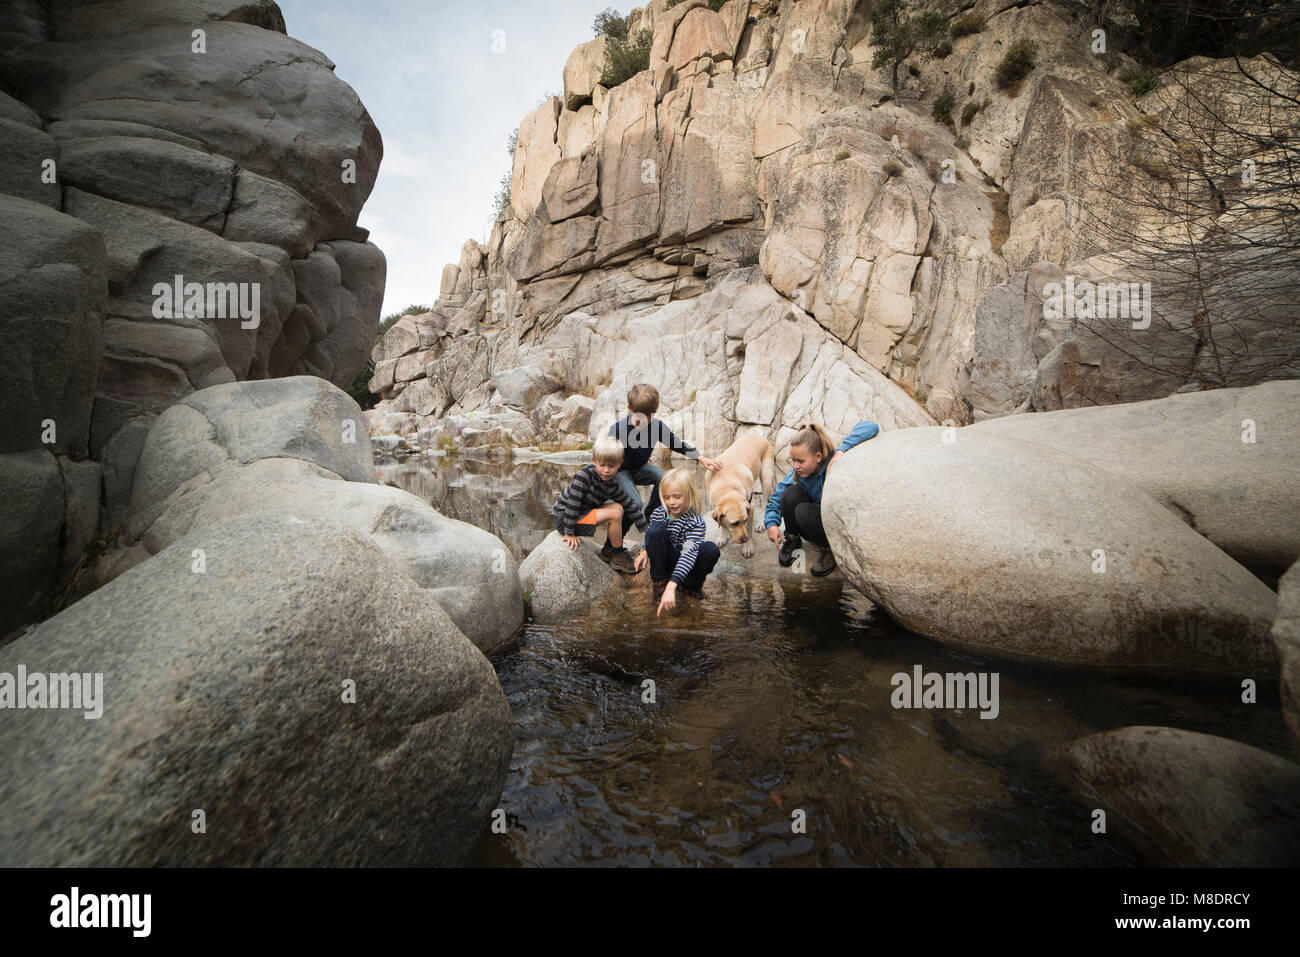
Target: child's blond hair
{"type": "Point", "coordinates": [814, 438]}
{"type": "Point", "coordinates": [682, 480]}
{"type": "Point", "coordinates": [607, 451]}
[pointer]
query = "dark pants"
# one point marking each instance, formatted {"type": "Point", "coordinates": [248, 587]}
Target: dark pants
{"type": "Point", "coordinates": [629, 479]}
{"type": "Point", "coordinates": [663, 558]}
{"type": "Point", "coordinates": [802, 516]}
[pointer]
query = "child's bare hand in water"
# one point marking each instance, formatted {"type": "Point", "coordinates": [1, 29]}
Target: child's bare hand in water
{"type": "Point", "coordinates": [774, 535]}
{"type": "Point", "coordinates": [669, 600]}
{"type": "Point", "coordinates": [571, 541]}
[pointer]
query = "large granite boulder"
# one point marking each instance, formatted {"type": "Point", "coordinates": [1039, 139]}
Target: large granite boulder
{"type": "Point", "coordinates": [315, 713]}
{"type": "Point", "coordinates": [136, 152]}
{"type": "Point", "coordinates": [1018, 549]}
{"type": "Point", "coordinates": [1227, 460]}
{"type": "Point", "coordinates": [1186, 799]}
{"type": "Point", "coordinates": [301, 444]}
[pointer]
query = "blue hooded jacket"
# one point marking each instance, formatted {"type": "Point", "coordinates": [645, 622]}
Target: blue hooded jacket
{"type": "Point", "coordinates": [813, 483]}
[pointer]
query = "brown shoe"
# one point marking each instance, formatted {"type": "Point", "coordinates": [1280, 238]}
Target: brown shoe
{"type": "Point", "coordinates": [825, 563]}
{"type": "Point", "coordinates": [621, 561]}
{"type": "Point", "coordinates": [696, 593]}
{"type": "Point", "coordinates": [659, 589]}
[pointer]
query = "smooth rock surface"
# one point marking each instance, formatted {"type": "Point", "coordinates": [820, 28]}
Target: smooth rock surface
{"type": "Point", "coordinates": [997, 544]}
{"type": "Point", "coordinates": [1286, 638]}
{"type": "Point", "coordinates": [1191, 800]}
{"type": "Point", "coordinates": [1192, 452]}
{"type": "Point", "coordinates": [467, 570]}
{"type": "Point", "coordinates": [559, 582]}
{"type": "Point", "coordinates": [224, 691]}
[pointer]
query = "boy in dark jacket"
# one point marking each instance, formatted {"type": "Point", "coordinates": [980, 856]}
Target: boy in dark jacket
{"type": "Point", "coordinates": [639, 432]}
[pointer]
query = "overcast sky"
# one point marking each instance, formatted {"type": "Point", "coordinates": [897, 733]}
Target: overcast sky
{"type": "Point", "coordinates": [445, 104]}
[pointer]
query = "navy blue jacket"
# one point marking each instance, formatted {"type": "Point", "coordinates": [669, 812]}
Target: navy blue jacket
{"type": "Point", "coordinates": [639, 443]}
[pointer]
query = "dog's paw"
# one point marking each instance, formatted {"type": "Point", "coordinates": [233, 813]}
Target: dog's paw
{"type": "Point", "coordinates": [747, 549]}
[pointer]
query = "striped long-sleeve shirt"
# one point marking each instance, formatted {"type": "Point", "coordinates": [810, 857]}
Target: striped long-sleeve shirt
{"type": "Point", "coordinates": [686, 533]}
{"type": "Point", "coordinates": [586, 492]}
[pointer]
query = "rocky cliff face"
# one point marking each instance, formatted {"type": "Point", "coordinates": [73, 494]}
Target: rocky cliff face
{"type": "Point", "coordinates": [179, 191]}
{"type": "Point", "coordinates": [907, 254]}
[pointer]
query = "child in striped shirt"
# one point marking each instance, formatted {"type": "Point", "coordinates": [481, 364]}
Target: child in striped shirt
{"type": "Point", "coordinates": [675, 549]}
{"type": "Point", "coordinates": [593, 499]}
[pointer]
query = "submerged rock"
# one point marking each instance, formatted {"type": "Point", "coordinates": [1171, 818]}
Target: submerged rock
{"type": "Point", "coordinates": [1019, 549]}
{"type": "Point", "coordinates": [1191, 800]}
{"type": "Point", "coordinates": [559, 582]}
{"type": "Point", "coordinates": [314, 715]}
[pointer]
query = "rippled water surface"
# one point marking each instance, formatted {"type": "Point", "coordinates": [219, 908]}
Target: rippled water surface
{"type": "Point", "coordinates": [772, 696]}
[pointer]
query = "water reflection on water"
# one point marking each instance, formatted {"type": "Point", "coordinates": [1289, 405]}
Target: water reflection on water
{"type": "Point", "coordinates": [772, 697]}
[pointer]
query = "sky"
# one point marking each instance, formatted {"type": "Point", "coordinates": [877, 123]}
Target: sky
{"type": "Point", "coordinates": [445, 104]}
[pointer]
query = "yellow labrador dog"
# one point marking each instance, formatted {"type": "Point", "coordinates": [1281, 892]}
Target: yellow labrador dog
{"type": "Point", "coordinates": [730, 487]}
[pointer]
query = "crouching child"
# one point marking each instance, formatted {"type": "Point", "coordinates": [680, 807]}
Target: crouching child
{"type": "Point", "coordinates": [593, 499]}
{"type": "Point", "coordinates": [675, 549]}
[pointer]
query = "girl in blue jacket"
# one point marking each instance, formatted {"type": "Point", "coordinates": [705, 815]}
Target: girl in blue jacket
{"type": "Point", "coordinates": [799, 503]}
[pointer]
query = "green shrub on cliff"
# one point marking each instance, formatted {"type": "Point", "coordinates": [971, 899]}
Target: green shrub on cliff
{"type": "Point", "coordinates": [1016, 64]}
{"type": "Point", "coordinates": [624, 59]}
{"type": "Point", "coordinates": [965, 25]}
{"type": "Point", "coordinates": [943, 104]}
{"type": "Point", "coordinates": [502, 199]}
{"type": "Point", "coordinates": [1140, 82]}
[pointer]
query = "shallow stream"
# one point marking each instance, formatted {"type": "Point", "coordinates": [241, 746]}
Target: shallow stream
{"type": "Point", "coordinates": [773, 696]}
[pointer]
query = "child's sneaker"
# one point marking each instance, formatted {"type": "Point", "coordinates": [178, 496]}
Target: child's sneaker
{"type": "Point", "coordinates": [696, 593]}
{"type": "Point", "coordinates": [825, 563]}
{"type": "Point", "coordinates": [621, 561]}
{"type": "Point", "coordinates": [788, 547]}
{"type": "Point", "coordinates": [659, 588]}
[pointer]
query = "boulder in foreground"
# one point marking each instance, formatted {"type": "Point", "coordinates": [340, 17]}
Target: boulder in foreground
{"type": "Point", "coordinates": [224, 692]}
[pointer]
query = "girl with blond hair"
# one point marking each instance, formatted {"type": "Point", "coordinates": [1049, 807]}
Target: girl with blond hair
{"type": "Point", "coordinates": [797, 498]}
{"type": "Point", "coordinates": [675, 548]}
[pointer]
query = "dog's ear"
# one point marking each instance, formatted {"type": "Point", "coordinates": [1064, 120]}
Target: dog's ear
{"type": "Point", "coordinates": [716, 512]}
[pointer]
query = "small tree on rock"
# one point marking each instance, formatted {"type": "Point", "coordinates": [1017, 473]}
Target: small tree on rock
{"type": "Point", "coordinates": [896, 35]}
